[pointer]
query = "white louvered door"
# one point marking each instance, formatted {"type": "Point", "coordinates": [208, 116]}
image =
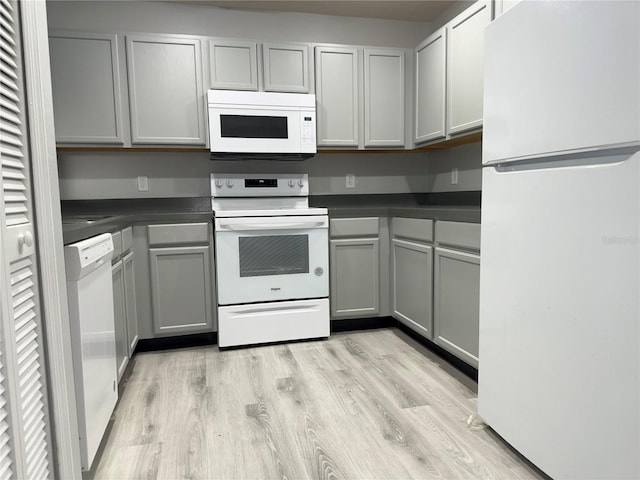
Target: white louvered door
{"type": "Point", "coordinates": [24, 426]}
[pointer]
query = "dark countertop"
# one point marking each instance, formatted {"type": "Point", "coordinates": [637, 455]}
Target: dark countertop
{"type": "Point", "coordinates": [108, 216]}
{"type": "Point", "coordinates": [74, 230]}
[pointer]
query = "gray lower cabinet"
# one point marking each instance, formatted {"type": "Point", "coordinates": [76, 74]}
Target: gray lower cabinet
{"type": "Point", "coordinates": [412, 284]}
{"type": "Point", "coordinates": [120, 318]}
{"type": "Point", "coordinates": [355, 278]}
{"type": "Point", "coordinates": [456, 303]}
{"type": "Point", "coordinates": [130, 302]}
{"type": "Point", "coordinates": [181, 289]}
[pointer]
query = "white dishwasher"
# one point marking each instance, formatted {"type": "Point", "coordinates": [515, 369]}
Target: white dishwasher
{"type": "Point", "coordinates": [90, 296]}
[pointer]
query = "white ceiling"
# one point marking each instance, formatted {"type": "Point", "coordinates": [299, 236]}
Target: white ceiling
{"type": "Point", "coordinates": [415, 11]}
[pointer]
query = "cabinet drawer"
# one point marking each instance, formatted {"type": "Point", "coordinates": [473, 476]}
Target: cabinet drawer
{"type": "Point", "coordinates": [116, 237]}
{"type": "Point", "coordinates": [354, 227]}
{"type": "Point", "coordinates": [458, 234]}
{"type": "Point", "coordinates": [127, 239]}
{"type": "Point", "coordinates": [415, 228]}
{"type": "Point", "coordinates": [178, 233]}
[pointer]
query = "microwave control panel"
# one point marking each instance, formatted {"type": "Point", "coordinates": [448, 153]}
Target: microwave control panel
{"type": "Point", "coordinates": [308, 128]}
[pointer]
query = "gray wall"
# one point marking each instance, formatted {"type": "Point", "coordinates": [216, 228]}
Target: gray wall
{"type": "Point", "coordinates": [94, 175]}
{"type": "Point", "coordinates": [466, 158]}
{"type": "Point", "coordinates": [167, 17]}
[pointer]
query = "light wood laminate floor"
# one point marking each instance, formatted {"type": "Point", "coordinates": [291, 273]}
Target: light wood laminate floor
{"type": "Point", "coordinates": [363, 405]}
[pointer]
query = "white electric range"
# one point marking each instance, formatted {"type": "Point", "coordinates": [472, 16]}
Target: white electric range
{"type": "Point", "coordinates": [272, 259]}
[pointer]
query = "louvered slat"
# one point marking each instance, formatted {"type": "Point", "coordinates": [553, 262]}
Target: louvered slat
{"type": "Point", "coordinates": [6, 454]}
{"type": "Point", "coordinates": [8, 128]}
{"type": "Point", "coordinates": [29, 367]}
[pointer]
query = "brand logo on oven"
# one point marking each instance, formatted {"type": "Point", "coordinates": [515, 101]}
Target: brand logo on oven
{"type": "Point", "coordinates": [275, 289]}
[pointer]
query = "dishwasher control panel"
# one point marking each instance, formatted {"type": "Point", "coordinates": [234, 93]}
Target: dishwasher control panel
{"type": "Point", "coordinates": [83, 256]}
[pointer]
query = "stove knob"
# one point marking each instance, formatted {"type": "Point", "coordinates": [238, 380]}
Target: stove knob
{"type": "Point", "coordinates": [301, 182]}
{"type": "Point", "coordinates": [292, 182]}
{"type": "Point", "coordinates": [230, 183]}
{"type": "Point", "coordinates": [219, 182]}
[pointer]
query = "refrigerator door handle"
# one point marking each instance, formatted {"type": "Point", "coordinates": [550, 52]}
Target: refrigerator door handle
{"type": "Point", "coordinates": [571, 160]}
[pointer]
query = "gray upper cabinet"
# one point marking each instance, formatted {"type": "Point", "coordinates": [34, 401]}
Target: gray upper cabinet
{"type": "Point", "coordinates": [165, 90]}
{"type": "Point", "coordinates": [430, 58]}
{"type": "Point", "coordinates": [233, 64]}
{"type": "Point", "coordinates": [337, 92]}
{"type": "Point", "coordinates": [465, 58]}
{"type": "Point", "coordinates": [286, 67]}
{"type": "Point", "coordinates": [384, 81]}
{"type": "Point", "coordinates": [87, 98]}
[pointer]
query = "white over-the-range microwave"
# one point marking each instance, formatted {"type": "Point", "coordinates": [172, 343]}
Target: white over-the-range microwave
{"type": "Point", "coordinates": [261, 125]}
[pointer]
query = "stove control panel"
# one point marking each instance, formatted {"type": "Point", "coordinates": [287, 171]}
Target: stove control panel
{"type": "Point", "coordinates": [259, 185]}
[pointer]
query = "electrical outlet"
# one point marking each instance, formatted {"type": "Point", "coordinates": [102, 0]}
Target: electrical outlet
{"type": "Point", "coordinates": [351, 180]}
{"type": "Point", "coordinates": [143, 183]}
{"type": "Point", "coordinates": [454, 176]}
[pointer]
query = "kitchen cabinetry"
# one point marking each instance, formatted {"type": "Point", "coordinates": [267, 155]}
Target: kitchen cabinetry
{"type": "Point", "coordinates": [86, 83]}
{"type": "Point", "coordinates": [337, 81]}
{"type": "Point", "coordinates": [449, 76]}
{"type": "Point", "coordinates": [233, 64]}
{"type": "Point", "coordinates": [465, 59]}
{"type": "Point", "coordinates": [412, 273]}
{"type": "Point", "coordinates": [124, 298]}
{"type": "Point", "coordinates": [457, 289]}
{"type": "Point", "coordinates": [181, 282]}
{"type": "Point", "coordinates": [384, 78]}
{"type": "Point", "coordinates": [286, 67]}
{"type": "Point", "coordinates": [354, 258]}
{"type": "Point", "coordinates": [165, 90]}
{"type": "Point", "coordinates": [360, 93]}
{"type": "Point", "coordinates": [430, 87]}
{"type": "Point", "coordinates": [502, 6]}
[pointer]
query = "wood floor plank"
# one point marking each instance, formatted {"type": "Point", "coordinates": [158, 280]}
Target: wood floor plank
{"type": "Point", "coordinates": [360, 405]}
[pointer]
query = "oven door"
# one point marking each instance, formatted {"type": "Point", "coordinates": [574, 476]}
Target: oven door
{"type": "Point", "coordinates": [262, 259]}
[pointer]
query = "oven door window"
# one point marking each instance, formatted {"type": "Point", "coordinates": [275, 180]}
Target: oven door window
{"type": "Point", "coordinates": [273, 255]}
{"type": "Point", "coordinates": [253, 126]}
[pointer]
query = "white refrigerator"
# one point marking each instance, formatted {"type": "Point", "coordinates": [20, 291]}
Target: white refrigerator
{"type": "Point", "coordinates": [559, 370]}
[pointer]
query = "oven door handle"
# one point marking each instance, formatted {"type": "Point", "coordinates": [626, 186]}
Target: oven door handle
{"type": "Point", "coordinates": [270, 226]}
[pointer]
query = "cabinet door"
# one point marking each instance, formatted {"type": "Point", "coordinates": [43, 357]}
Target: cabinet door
{"type": "Point", "coordinates": [465, 59]}
{"type": "Point", "coordinates": [85, 77]}
{"type": "Point", "coordinates": [413, 285]}
{"type": "Point", "coordinates": [165, 90]}
{"type": "Point", "coordinates": [355, 281]}
{"type": "Point", "coordinates": [120, 318]}
{"type": "Point", "coordinates": [233, 64]}
{"type": "Point", "coordinates": [456, 303]}
{"type": "Point", "coordinates": [430, 87]}
{"type": "Point", "coordinates": [130, 302]}
{"type": "Point", "coordinates": [384, 98]}
{"type": "Point", "coordinates": [337, 82]}
{"type": "Point", "coordinates": [286, 67]}
{"type": "Point", "coordinates": [181, 289]}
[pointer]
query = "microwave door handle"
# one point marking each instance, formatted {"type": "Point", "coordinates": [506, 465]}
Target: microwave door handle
{"type": "Point", "coordinates": [270, 226]}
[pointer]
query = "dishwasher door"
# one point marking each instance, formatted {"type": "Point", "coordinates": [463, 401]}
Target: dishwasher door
{"type": "Point", "coordinates": [90, 296]}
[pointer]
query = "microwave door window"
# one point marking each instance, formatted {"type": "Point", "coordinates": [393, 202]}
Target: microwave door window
{"type": "Point", "coordinates": [253, 126]}
{"type": "Point", "coordinates": [274, 255]}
